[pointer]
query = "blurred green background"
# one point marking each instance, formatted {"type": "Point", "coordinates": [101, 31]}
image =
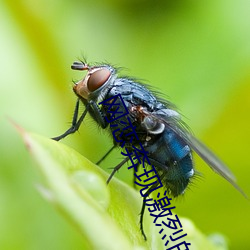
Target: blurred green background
{"type": "Point", "coordinates": [195, 52]}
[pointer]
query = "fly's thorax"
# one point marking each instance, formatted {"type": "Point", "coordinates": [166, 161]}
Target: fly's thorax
{"type": "Point", "coordinates": [94, 85]}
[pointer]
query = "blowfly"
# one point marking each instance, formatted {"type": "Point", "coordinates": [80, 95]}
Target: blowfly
{"type": "Point", "coordinates": [162, 133]}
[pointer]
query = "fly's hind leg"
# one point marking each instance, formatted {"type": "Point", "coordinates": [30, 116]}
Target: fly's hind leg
{"type": "Point", "coordinates": [143, 209]}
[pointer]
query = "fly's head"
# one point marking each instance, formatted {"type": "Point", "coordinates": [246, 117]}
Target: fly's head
{"type": "Point", "coordinates": [96, 80]}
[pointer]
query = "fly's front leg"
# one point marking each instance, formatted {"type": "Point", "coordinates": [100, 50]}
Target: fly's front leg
{"type": "Point", "coordinates": [97, 114]}
{"type": "Point", "coordinates": [75, 123]}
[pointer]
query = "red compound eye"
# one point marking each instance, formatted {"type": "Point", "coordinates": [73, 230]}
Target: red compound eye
{"type": "Point", "coordinates": [97, 79]}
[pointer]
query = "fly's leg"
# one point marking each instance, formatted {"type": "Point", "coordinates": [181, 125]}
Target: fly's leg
{"type": "Point", "coordinates": [134, 177]}
{"type": "Point", "coordinates": [105, 155]}
{"type": "Point", "coordinates": [117, 168]}
{"type": "Point", "coordinates": [143, 209]}
{"type": "Point", "coordinates": [141, 218]}
{"type": "Point", "coordinates": [97, 114]}
{"type": "Point", "coordinates": [75, 124]}
{"type": "Point", "coordinates": [93, 109]}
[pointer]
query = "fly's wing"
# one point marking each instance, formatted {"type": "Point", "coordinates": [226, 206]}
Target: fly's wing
{"type": "Point", "coordinates": [174, 123]}
{"type": "Point", "coordinates": [212, 160]}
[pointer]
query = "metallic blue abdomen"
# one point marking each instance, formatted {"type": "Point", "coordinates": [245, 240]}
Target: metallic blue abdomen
{"type": "Point", "coordinates": [172, 159]}
{"type": "Point", "coordinates": [169, 154]}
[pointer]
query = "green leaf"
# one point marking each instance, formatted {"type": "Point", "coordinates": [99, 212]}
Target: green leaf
{"type": "Point", "coordinates": [106, 215]}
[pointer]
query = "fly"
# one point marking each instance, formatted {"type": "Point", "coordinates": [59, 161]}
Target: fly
{"type": "Point", "coordinates": [164, 136]}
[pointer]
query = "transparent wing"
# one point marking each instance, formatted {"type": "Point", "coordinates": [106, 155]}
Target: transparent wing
{"type": "Point", "coordinates": [211, 159]}
{"type": "Point", "coordinates": [174, 123]}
